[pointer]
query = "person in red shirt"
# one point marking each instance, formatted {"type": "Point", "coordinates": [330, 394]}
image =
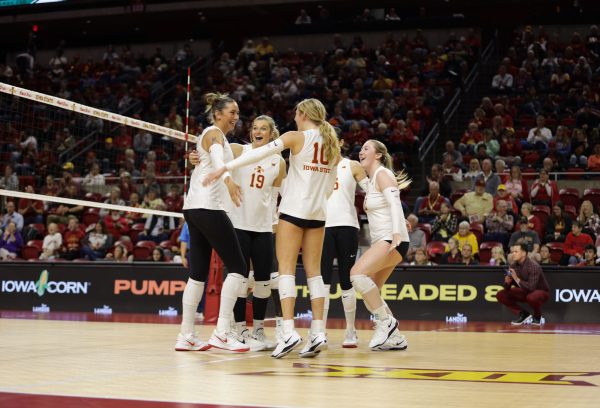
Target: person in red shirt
{"type": "Point", "coordinates": [116, 224]}
{"type": "Point", "coordinates": [589, 257]}
{"type": "Point", "coordinates": [575, 244]}
{"type": "Point", "coordinates": [503, 194]}
{"type": "Point", "coordinates": [594, 159]}
{"type": "Point", "coordinates": [31, 210]}
{"type": "Point", "coordinates": [543, 190]}
{"type": "Point", "coordinates": [72, 240]}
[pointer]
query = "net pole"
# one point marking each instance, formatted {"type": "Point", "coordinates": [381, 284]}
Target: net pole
{"type": "Point", "coordinates": [187, 122]}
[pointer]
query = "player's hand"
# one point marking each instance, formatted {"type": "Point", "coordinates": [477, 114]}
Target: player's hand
{"type": "Point", "coordinates": [213, 176]}
{"type": "Point", "coordinates": [194, 158]}
{"type": "Point", "coordinates": [395, 242]}
{"type": "Point", "coordinates": [235, 192]}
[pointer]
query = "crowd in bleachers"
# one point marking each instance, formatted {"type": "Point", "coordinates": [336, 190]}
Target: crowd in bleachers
{"type": "Point", "coordinates": [541, 117]}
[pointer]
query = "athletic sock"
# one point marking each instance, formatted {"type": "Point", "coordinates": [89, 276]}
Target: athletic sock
{"type": "Point", "coordinates": [349, 302]}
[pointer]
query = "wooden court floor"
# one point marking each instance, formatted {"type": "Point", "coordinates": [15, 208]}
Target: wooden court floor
{"type": "Point", "coordinates": [68, 363]}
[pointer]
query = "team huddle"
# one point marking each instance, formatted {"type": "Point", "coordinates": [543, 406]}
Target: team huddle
{"type": "Point", "coordinates": [231, 207]}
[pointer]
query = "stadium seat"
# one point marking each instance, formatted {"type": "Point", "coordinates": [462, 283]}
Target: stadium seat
{"type": "Point", "coordinates": [477, 229]}
{"type": "Point", "coordinates": [485, 250]}
{"type": "Point", "coordinates": [97, 197]}
{"type": "Point", "coordinates": [556, 251]}
{"type": "Point", "coordinates": [593, 195]}
{"type": "Point", "coordinates": [426, 228]}
{"type": "Point", "coordinates": [91, 216]}
{"type": "Point", "coordinates": [41, 228]}
{"type": "Point", "coordinates": [542, 212]}
{"type": "Point", "coordinates": [126, 243]}
{"type": "Point", "coordinates": [457, 194]}
{"type": "Point", "coordinates": [571, 211]}
{"type": "Point", "coordinates": [143, 250]}
{"type": "Point", "coordinates": [38, 243]}
{"type": "Point", "coordinates": [175, 236]}
{"type": "Point", "coordinates": [578, 173]}
{"type": "Point", "coordinates": [30, 252]}
{"type": "Point", "coordinates": [165, 244]}
{"type": "Point", "coordinates": [569, 196]}
{"type": "Point", "coordinates": [146, 244]}
{"type": "Point", "coordinates": [135, 231]}
{"type": "Point", "coordinates": [435, 249]}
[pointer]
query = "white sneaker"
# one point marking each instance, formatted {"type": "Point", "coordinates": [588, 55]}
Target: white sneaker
{"type": "Point", "coordinates": [287, 343]}
{"type": "Point", "coordinates": [190, 342]}
{"type": "Point", "coordinates": [227, 341]}
{"type": "Point", "coordinates": [249, 340]}
{"type": "Point", "coordinates": [350, 339]}
{"type": "Point", "coordinates": [260, 335]}
{"type": "Point", "coordinates": [383, 331]}
{"type": "Point", "coordinates": [396, 341]}
{"type": "Point", "coordinates": [314, 345]}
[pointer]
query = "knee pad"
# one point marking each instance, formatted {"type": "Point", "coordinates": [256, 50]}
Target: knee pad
{"type": "Point", "coordinates": [287, 286]}
{"type": "Point", "coordinates": [262, 289]}
{"type": "Point", "coordinates": [235, 285]}
{"type": "Point", "coordinates": [316, 287]}
{"type": "Point", "coordinates": [362, 283]}
{"type": "Point", "coordinates": [327, 293]}
{"type": "Point", "coordinates": [251, 281]}
{"type": "Point", "coordinates": [275, 280]}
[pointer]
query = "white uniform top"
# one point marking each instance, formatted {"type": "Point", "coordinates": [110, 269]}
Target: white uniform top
{"type": "Point", "coordinates": [341, 211]}
{"type": "Point", "coordinates": [215, 195]}
{"type": "Point", "coordinates": [309, 181]}
{"type": "Point", "coordinates": [256, 181]}
{"type": "Point", "coordinates": [379, 212]}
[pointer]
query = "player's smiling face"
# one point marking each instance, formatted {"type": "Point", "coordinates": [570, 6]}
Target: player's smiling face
{"type": "Point", "coordinates": [261, 133]}
{"type": "Point", "coordinates": [368, 155]}
{"type": "Point", "coordinates": [228, 117]}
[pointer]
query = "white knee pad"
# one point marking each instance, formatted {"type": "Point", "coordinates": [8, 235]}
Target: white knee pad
{"type": "Point", "coordinates": [327, 293]}
{"type": "Point", "coordinates": [362, 283]}
{"type": "Point", "coordinates": [251, 281]}
{"type": "Point", "coordinates": [234, 286]}
{"type": "Point", "coordinates": [316, 287]}
{"type": "Point", "coordinates": [262, 290]}
{"type": "Point", "coordinates": [275, 280]}
{"type": "Point", "coordinates": [287, 286]}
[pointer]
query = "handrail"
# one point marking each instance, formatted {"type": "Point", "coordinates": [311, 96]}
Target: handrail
{"type": "Point", "coordinates": [427, 144]}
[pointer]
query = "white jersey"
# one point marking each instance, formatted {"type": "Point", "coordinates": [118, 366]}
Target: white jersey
{"type": "Point", "coordinates": [215, 195]}
{"type": "Point", "coordinates": [256, 181]}
{"type": "Point", "coordinates": [309, 181]}
{"type": "Point", "coordinates": [341, 211]}
{"type": "Point", "coordinates": [379, 212]}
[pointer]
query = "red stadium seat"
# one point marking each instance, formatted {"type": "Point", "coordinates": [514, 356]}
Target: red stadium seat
{"type": "Point", "coordinates": [571, 211]}
{"type": "Point", "coordinates": [578, 173]}
{"type": "Point", "coordinates": [141, 253]}
{"type": "Point", "coordinates": [41, 228]}
{"type": "Point", "coordinates": [569, 196]}
{"type": "Point", "coordinates": [485, 250]}
{"type": "Point", "coordinates": [135, 231]}
{"type": "Point", "coordinates": [91, 216]}
{"type": "Point", "coordinates": [175, 236]}
{"type": "Point", "coordinates": [38, 243]}
{"type": "Point", "coordinates": [97, 197]}
{"type": "Point", "coordinates": [165, 244]}
{"type": "Point", "coordinates": [30, 252]}
{"type": "Point", "coordinates": [542, 212]}
{"type": "Point", "coordinates": [146, 244]}
{"type": "Point", "coordinates": [556, 250]}
{"type": "Point", "coordinates": [477, 229]}
{"type": "Point", "coordinates": [426, 228]}
{"type": "Point", "coordinates": [435, 249]}
{"type": "Point", "coordinates": [126, 243]}
{"type": "Point", "coordinates": [593, 195]}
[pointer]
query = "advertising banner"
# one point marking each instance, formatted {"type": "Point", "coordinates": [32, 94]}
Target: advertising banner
{"type": "Point", "coordinates": [450, 294]}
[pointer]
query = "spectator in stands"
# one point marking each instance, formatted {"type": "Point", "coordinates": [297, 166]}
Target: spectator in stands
{"type": "Point", "coordinates": [444, 224]}
{"type": "Point", "coordinates": [533, 221]}
{"type": "Point", "coordinates": [421, 258]}
{"type": "Point", "coordinates": [417, 237]}
{"type": "Point", "coordinates": [9, 181]}
{"type": "Point", "coordinates": [60, 214]}
{"type": "Point", "coordinates": [516, 185]}
{"type": "Point", "coordinates": [502, 81]}
{"type": "Point", "coordinates": [95, 243]}
{"type": "Point", "coordinates": [558, 224]}
{"type": "Point", "coordinates": [500, 169]}
{"type": "Point", "coordinates": [11, 242]}
{"type": "Point", "coordinates": [590, 258]}
{"type": "Point", "coordinates": [528, 238]}
{"type": "Point", "coordinates": [475, 205]}
{"type": "Point", "coordinates": [158, 255]}
{"type": "Point", "coordinates": [114, 199]}
{"type": "Point", "coordinates": [149, 186]}
{"type": "Point", "coordinates": [562, 147]}
{"type": "Point", "coordinates": [142, 141]}
{"type": "Point", "coordinates": [474, 171]}
{"type": "Point", "coordinates": [303, 18]}
{"type": "Point", "coordinates": [156, 227]}
{"type": "Point", "coordinates": [67, 180]}
{"type": "Point", "coordinates": [51, 188]}
{"type": "Point", "coordinates": [52, 243]}
{"type": "Point", "coordinates": [116, 224]}
{"type": "Point", "coordinates": [593, 163]}
{"type": "Point", "coordinates": [580, 149]}
{"type": "Point", "coordinates": [457, 157]}
{"type": "Point", "coordinates": [545, 256]}
{"type": "Point", "coordinates": [499, 224]}
{"type": "Point", "coordinates": [465, 236]}
{"type": "Point", "coordinates": [450, 169]}
{"type": "Point", "coordinates": [430, 206]}
{"type": "Point", "coordinates": [93, 180]}
{"type": "Point", "coordinates": [543, 190]}
{"type": "Point", "coordinates": [438, 176]}
{"type": "Point", "coordinates": [575, 244]}
{"type": "Point", "coordinates": [510, 148]}
{"type": "Point", "coordinates": [467, 255]}
{"type": "Point", "coordinates": [503, 194]}
{"type": "Point", "coordinates": [539, 137]}
{"type": "Point", "coordinates": [491, 179]}
{"type": "Point", "coordinates": [492, 147]}
{"type": "Point", "coordinates": [589, 219]}
{"type": "Point", "coordinates": [391, 15]}
{"type": "Point", "coordinates": [470, 139]}
{"type": "Point", "coordinates": [452, 254]}
{"type": "Point", "coordinates": [498, 257]}
{"type": "Point", "coordinates": [119, 254]}
{"type": "Point", "coordinates": [526, 283]}
{"type": "Point", "coordinates": [12, 216]}
{"type": "Point", "coordinates": [72, 240]}
{"type": "Point", "coordinates": [506, 119]}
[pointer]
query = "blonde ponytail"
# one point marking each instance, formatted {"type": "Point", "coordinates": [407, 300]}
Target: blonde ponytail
{"type": "Point", "coordinates": [316, 113]}
{"type": "Point", "coordinates": [402, 178]}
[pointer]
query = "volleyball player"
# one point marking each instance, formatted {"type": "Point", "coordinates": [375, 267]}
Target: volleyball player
{"type": "Point", "coordinates": [389, 242]}
{"type": "Point", "coordinates": [315, 153]}
{"type": "Point", "coordinates": [341, 239]}
{"type": "Point", "coordinates": [210, 227]}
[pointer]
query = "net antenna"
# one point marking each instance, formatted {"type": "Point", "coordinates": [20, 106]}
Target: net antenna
{"type": "Point", "coordinates": [187, 122]}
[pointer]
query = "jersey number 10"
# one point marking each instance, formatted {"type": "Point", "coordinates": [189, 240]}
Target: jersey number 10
{"type": "Point", "coordinates": [316, 155]}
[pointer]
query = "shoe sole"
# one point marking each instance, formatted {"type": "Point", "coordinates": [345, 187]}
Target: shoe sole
{"type": "Point", "coordinates": [288, 349]}
{"type": "Point", "coordinates": [314, 351]}
{"type": "Point", "coordinates": [529, 319]}
{"type": "Point", "coordinates": [387, 338]}
{"type": "Point", "coordinates": [203, 348]}
{"type": "Point", "coordinates": [350, 345]}
{"type": "Point", "coordinates": [238, 350]}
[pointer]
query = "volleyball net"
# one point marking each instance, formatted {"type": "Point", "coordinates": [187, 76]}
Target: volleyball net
{"type": "Point", "coordinates": [62, 160]}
